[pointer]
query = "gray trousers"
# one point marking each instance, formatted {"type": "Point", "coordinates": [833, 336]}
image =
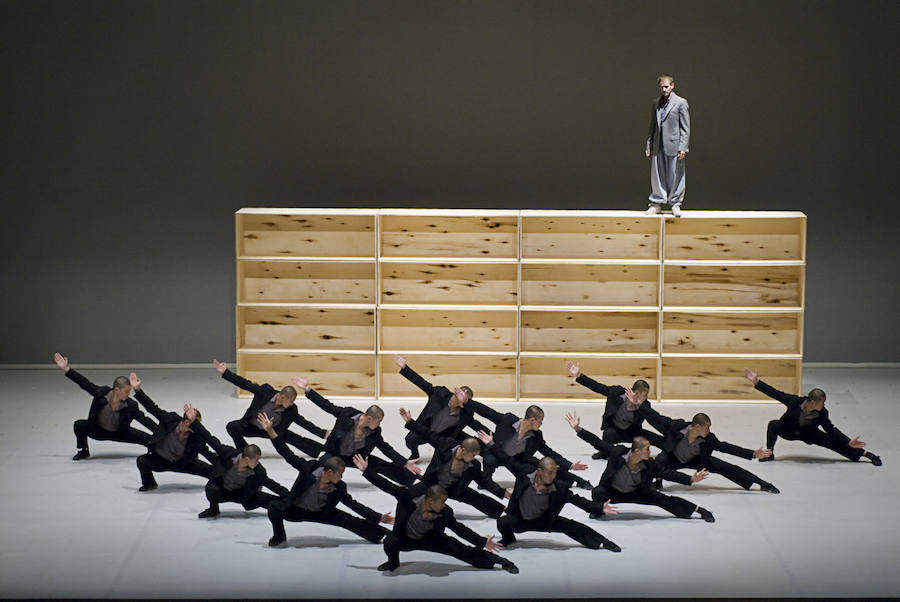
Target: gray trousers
{"type": "Point", "coordinates": [666, 179]}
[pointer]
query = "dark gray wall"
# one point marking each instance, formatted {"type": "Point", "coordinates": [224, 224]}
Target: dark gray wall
{"type": "Point", "coordinates": [133, 130]}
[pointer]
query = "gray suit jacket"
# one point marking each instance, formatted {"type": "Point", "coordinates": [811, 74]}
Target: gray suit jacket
{"type": "Point", "coordinates": [676, 127]}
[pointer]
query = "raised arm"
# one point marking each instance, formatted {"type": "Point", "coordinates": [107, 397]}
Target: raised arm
{"type": "Point", "coordinates": [209, 439]}
{"type": "Point", "coordinates": [238, 381]}
{"type": "Point", "coordinates": [82, 381]}
{"type": "Point", "coordinates": [785, 398]}
{"type": "Point", "coordinates": [413, 376]}
{"type": "Point", "coordinates": [582, 379]}
{"type": "Point", "coordinates": [587, 436]}
{"type": "Point", "coordinates": [324, 404]}
{"type": "Point", "coordinates": [379, 481]}
{"type": "Point", "coordinates": [149, 405]}
{"type": "Point", "coordinates": [280, 446]}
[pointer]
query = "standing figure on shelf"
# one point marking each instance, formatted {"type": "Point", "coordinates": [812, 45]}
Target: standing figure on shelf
{"type": "Point", "coordinates": [110, 415]}
{"type": "Point", "coordinates": [281, 409]}
{"type": "Point", "coordinates": [444, 415]}
{"type": "Point", "coordinates": [356, 432]}
{"type": "Point", "coordinates": [667, 147]}
{"type": "Point", "coordinates": [622, 416]}
{"type": "Point", "coordinates": [802, 419]}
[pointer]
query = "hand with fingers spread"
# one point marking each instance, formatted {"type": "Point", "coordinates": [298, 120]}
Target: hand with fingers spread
{"type": "Point", "coordinates": [574, 368]}
{"type": "Point", "coordinates": [405, 414]}
{"type": "Point", "coordinates": [266, 423]}
{"type": "Point", "coordinates": [400, 361]}
{"type": "Point", "coordinates": [630, 396]}
{"type": "Point", "coordinates": [189, 412]}
{"type": "Point", "coordinates": [220, 366]}
{"type": "Point", "coordinates": [135, 381]}
{"type": "Point", "coordinates": [62, 362]}
{"type": "Point", "coordinates": [411, 467]}
{"type": "Point", "coordinates": [484, 437]}
{"type": "Point", "coordinates": [578, 466]}
{"type": "Point", "coordinates": [608, 508]}
{"type": "Point", "coordinates": [361, 463]}
{"type": "Point", "coordinates": [492, 546]}
{"type": "Point", "coordinates": [750, 375]}
{"type": "Point", "coordinates": [762, 452]}
{"type": "Point", "coordinates": [699, 475]}
{"type": "Point", "coordinates": [855, 443]}
{"type": "Point", "coordinates": [573, 420]}
{"type": "Point", "coordinates": [387, 519]}
{"type": "Point", "coordinates": [301, 383]}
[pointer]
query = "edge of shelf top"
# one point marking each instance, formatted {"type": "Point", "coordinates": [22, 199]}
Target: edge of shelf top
{"type": "Point", "coordinates": [686, 215]}
{"type": "Point", "coordinates": [304, 211]}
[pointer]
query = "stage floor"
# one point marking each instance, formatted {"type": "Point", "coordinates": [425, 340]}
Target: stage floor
{"type": "Point", "coordinates": [81, 529]}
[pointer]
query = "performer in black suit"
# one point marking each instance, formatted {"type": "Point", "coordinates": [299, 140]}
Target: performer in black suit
{"type": "Point", "coordinates": [521, 439]}
{"type": "Point", "coordinates": [421, 520]}
{"type": "Point", "coordinates": [356, 432]}
{"type": "Point", "coordinates": [238, 476]}
{"type": "Point", "coordinates": [622, 420]}
{"type": "Point", "coordinates": [537, 499]}
{"type": "Point", "coordinates": [802, 419]}
{"type": "Point", "coordinates": [445, 414]}
{"type": "Point", "coordinates": [691, 444]}
{"type": "Point", "coordinates": [278, 405]}
{"type": "Point", "coordinates": [315, 494]}
{"type": "Point", "coordinates": [629, 474]}
{"type": "Point", "coordinates": [174, 445]}
{"type": "Point", "coordinates": [110, 415]}
{"type": "Point", "coordinates": [453, 466]}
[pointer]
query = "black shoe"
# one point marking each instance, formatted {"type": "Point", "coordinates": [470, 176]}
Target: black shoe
{"type": "Point", "coordinates": [769, 487]}
{"type": "Point", "coordinates": [706, 515]}
{"type": "Point", "coordinates": [612, 547]}
{"type": "Point", "coordinates": [657, 484]}
{"type": "Point", "coordinates": [275, 541]}
{"type": "Point", "coordinates": [149, 487]}
{"type": "Point", "coordinates": [511, 568]}
{"type": "Point", "coordinates": [598, 456]}
{"type": "Point", "coordinates": [388, 566]}
{"type": "Point", "coordinates": [768, 459]}
{"type": "Point", "coordinates": [82, 454]}
{"type": "Point", "coordinates": [582, 484]}
{"type": "Point", "coordinates": [209, 513]}
{"type": "Point", "coordinates": [876, 461]}
{"type": "Point", "coordinates": [595, 515]}
{"type": "Point", "coordinates": [506, 542]}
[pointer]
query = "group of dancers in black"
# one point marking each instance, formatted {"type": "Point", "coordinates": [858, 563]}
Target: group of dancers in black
{"type": "Point", "coordinates": [544, 479]}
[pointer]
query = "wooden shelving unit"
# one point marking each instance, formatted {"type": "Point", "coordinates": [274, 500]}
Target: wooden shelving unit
{"type": "Point", "coordinates": [499, 300]}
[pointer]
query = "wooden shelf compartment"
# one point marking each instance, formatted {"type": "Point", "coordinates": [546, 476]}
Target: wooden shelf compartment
{"type": "Point", "coordinates": [470, 329]}
{"type": "Point", "coordinates": [451, 235]}
{"type": "Point", "coordinates": [722, 332]}
{"type": "Point", "coordinates": [325, 234]}
{"type": "Point", "coordinates": [737, 286]}
{"type": "Point", "coordinates": [586, 332]}
{"type": "Point", "coordinates": [547, 377]}
{"type": "Point", "coordinates": [449, 283]}
{"type": "Point", "coordinates": [715, 378]}
{"type": "Point", "coordinates": [306, 281]}
{"type": "Point", "coordinates": [562, 236]}
{"type": "Point", "coordinates": [748, 237]}
{"type": "Point", "coordinates": [590, 284]}
{"type": "Point", "coordinates": [326, 328]}
{"type": "Point", "coordinates": [489, 376]}
{"type": "Point", "coordinates": [333, 374]}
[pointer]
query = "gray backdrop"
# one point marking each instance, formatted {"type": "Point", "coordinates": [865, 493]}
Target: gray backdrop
{"type": "Point", "coordinates": [133, 130]}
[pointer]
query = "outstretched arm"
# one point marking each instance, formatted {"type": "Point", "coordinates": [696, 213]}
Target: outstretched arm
{"type": "Point", "coordinates": [661, 423]}
{"type": "Point", "coordinates": [313, 396]}
{"type": "Point", "coordinates": [361, 509]}
{"type": "Point", "coordinates": [149, 405]}
{"type": "Point", "coordinates": [310, 426]}
{"type": "Point", "coordinates": [583, 379]}
{"type": "Point", "coordinates": [413, 376]}
{"type": "Point", "coordinates": [82, 381]}
{"type": "Point", "coordinates": [379, 481]}
{"type": "Point", "coordinates": [280, 446]}
{"type": "Point", "coordinates": [516, 467]}
{"type": "Point", "coordinates": [465, 532]}
{"type": "Point", "coordinates": [484, 411]}
{"type": "Point", "coordinates": [785, 398]}
{"type": "Point", "coordinates": [587, 436]}
{"type": "Point", "coordinates": [238, 381]}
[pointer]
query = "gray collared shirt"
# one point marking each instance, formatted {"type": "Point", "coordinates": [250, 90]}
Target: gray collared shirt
{"type": "Point", "coordinates": [349, 442]}
{"type": "Point", "coordinates": [444, 419]}
{"type": "Point", "coordinates": [314, 497]}
{"type": "Point", "coordinates": [624, 416]}
{"type": "Point", "coordinates": [626, 481]}
{"type": "Point", "coordinates": [515, 446]}
{"type": "Point", "coordinates": [446, 476]}
{"type": "Point", "coordinates": [417, 526]}
{"type": "Point", "coordinates": [171, 447]}
{"type": "Point", "coordinates": [686, 451]}
{"type": "Point", "coordinates": [272, 411]}
{"type": "Point", "coordinates": [108, 418]}
{"type": "Point", "coordinates": [234, 479]}
{"type": "Point", "coordinates": [534, 503]}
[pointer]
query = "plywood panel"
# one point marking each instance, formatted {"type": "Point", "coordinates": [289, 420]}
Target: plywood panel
{"type": "Point", "coordinates": [306, 282]}
{"type": "Point", "coordinates": [447, 236]}
{"type": "Point", "coordinates": [449, 283]}
{"type": "Point", "coordinates": [306, 328]}
{"type": "Point", "coordinates": [766, 332]}
{"type": "Point", "coordinates": [732, 286]}
{"type": "Point", "coordinates": [448, 330]}
{"type": "Point", "coordinates": [306, 235]}
{"type": "Point", "coordinates": [589, 332]}
{"type": "Point", "coordinates": [583, 237]}
{"type": "Point", "coordinates": [488, 376]}
{"type": "Point", "coordinates": [334, 375]}
{"type": "Point", "coordinates": [745, 238]}
{"type": "Point", "coordinates": [547, 377]}
{"type": "Point", "coordinates": [723, 378]}
{"type": "Point", "coordinates": [575, 284]}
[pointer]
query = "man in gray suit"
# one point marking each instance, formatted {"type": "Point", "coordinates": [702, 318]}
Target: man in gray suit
{"type": "Point", "coordinates": [667, 146]}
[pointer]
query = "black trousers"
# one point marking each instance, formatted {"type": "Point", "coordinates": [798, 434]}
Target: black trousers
{"type": "Point", "coordinates": [394, 472]}
{"type": "Point", "coordinates": [812, 437]}
{"type": "Point", "coordinates": [442, 544]}
{"type": "Point", "coordinates": [491, 463]}
{"type": "Point", "coordinates": [216, 494]}
{"type": "Point", "coordinates": [279, 512]}
{"type": "Point", "coordinates": [680, 507]}
{"type": "Point", "coordinates": [510, 524]}
{"type": "Point", "coordinates": [488, 506]}
{"type": "Point", "coordinates": [150, 463]}
{"type": "Point", "coordinates": [84, 429]}
{"type": "Point", "coordinates": [735, 474]}
{"type": "Point", "coordinates": [239, 429]}
{"type": "Point", "coordinates": [615, 435]}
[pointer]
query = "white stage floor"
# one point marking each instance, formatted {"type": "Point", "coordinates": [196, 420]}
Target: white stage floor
{"type": "Point", "coordinates": [81, 529]}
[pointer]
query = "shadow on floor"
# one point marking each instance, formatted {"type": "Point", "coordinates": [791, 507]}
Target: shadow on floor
{"type": "Point", "coordinates": [420, 567]}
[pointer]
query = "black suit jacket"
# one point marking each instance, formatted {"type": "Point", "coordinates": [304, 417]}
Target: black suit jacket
{"type": "Point", "coordinates": [505, 430]}
{"type": "Point", "coordinates": [790, 420]}
{"type": "Point", "coordinates": [345, 423]}
{"type": "Point", "coordinates": [127, 414]}
{"type": "Point", "coordinates": [406, 505]}
{"type": "Point", "coordinates": [615, 461]}
{"type": "Point", "coordinates": [168, 422]}
{"type": "Point", "coordinates": [613, 402]}
{"type": "Point", "coordinates": [558, 499]}
{"type": "Point", "coordinates": [306, 478]}
{"type": "Point", "coordinates": [444, 447]}
{"type": "Point", "coordinates": [439, 397]}
{"type": "Point", "coordinates": [262, 394]}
